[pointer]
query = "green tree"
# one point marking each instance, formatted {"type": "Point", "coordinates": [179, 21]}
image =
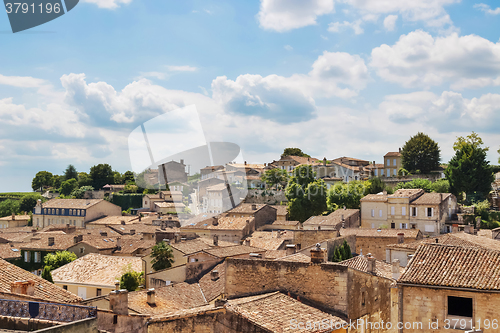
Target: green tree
{"type": "Point", "coordinates": [42, 179]}
{"type": "Point", "coordinates": [346, 194]}
{"type": "Point", "coordinates": [341, 253]}
{"type": "Point", "coordinates": [101, 175]}
{"type": "Point", "coordinates": [468, 171]}
{"type": "Point", "coordinates": [424, 184]}
{"type": "Point", "coordinates": [80, 192]}
{"type": "Point", "coordinates": [117, 178]}
{"type": "Point", "coordinates": [70, 173]}
{"type": "Point", "coordinates": [274, 177]}
{"type": "Point", "coordinates": [441, 186]}
{"type": "Point", "coordinates": [46, 274]}
{"type": "Point", "coordinates": [57, 181]}
{"type": "Point", "coordinates": [162, 255]}
{"type": "Point", "coordinates": [420, 153]}
{"type": "Point", "coordinates": [306, 196]}
{"type": "Point", "coordinates": [58, 259]}
{"type": "Point", "coordinates": [9, 207]}
{"type": "Point", "coordinates": [130, 279]}
{"type": "Point", "coordinates": [294, 152]}
{"type": "Point", "coordinates": [130, 189]}
{"type": "Point", "coordinates": [376, 185]}
{"type": "Point", "coordinates": [128, 177]}
{"type": "Point", "coordinates": [68, 186]}
{"type": "Point", "coordinates": [84, 179]}
{"type": "Point", "coordinates": [28, 202]}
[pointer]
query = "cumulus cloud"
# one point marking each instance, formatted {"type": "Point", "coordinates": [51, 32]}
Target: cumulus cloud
{"type": "Point", "coordinates": [487, 9]}
{"type": "Point", "coordinates": [339, 26]}
{"type": "Point", "coordinates": [285, 15]}
{"type": "Point", "coordinates": [390, 22]}
{"type": "Point", "coordinates": [447, 112]}
{"type": "Point", "coordinates": [182, 68]}
{"type": "Point", "coordinates": [291, 99]}
{"type": "Point", "coordinates": [108, 4]}
{"type": "Point", "coordinates": [418, 59]}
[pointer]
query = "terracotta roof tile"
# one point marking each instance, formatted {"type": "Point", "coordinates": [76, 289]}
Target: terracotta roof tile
{"type": "Point", "coordinates": [269, 240]}
{"type": "Point", "coordinates": [331, 219]}
{"type": "Point", "coordinates": [213, 287]}
{"type": "Point", "coordinates": [43, 288]}
{"type": "Point", "coordinates": [9, 251]}
{"type": "Point", "coordinates": [360, 263]}
{"type": "Point", "coordinates": [393, 154]}
{"type": "Point", "coordinates": [455, 239]}
{"type": "Point", "coordinates": [246, 208]}
{"type": "Point", "coordinates": [431, 198]}
{"type": "Point", "coordinates": [454, 266]}
{"type": "Point", "coordinates": [96, 269]}
{"type": "Point", "coordinates": [281, 210]}
{"type": "Point", "coordinates": [296, 257]}
{"type": "Point", "coordinates": [223, 223]}
{"type": "Point", "coordinates": [231, 251]}
{"type": "Point", "coordinates": [367, 232]}
{"type": "Point", "coordinates": [71, 203]}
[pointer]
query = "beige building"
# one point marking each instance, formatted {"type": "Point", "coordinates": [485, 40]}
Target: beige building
{"type": "Point", "coordinates": [392, 163]}
{"type": "Point", "coordinates": [445, 285]}
{"type": "Point", "coordinates": [341, 218]}
{"type": "Point", "coordinates": [94, 274]}
{"type": "Point", "coordinates": [228, 228]}
{"type": "Point", "coordinates": [75, 212]}
{"type": "Point", "coordinates": [409, 209]}
{"type": "Point", "coordinates": [14, 221]}
{"type": "Point", "coordinates": [149, 200]}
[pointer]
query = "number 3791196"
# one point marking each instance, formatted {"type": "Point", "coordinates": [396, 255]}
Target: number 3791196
{"type": "Point", "coordinates": [24, 8]}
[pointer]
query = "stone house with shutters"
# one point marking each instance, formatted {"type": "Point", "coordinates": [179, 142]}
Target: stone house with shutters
{"type": "Point", "coordinates": [392, 163]}
{"type": "Point", "coordinates": [409, 209]}
{"type": "Point", "coordinates": [449, 285]}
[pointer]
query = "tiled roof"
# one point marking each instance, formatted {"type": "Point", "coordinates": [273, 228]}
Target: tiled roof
{"type": "Point", "coordinates": [217, 187]}
{"type": "Point", "coordinates": [162, 204]}
{"type": "Point", "coordinates": [393, 154]}
{"type": "Point", "coordinates": [198, 244]}
{"type": "Point", "coordinates": [347, 166]}
{"type": "Point", "coordinates": [246, 208]}
{"type": "Point", "coordinates": [296, 257]}
{"type": "Point", "coordinates": [231, 251]}
{"type": "Point", "coordinates": [375, 197]}
{"type": "Point", "coordinates": [375, 166]}
{"type": "Point", "coordinates": [360, 263]}
{"type": "Point", "coordinates": [299, 159]}
{"type": "Point", "coordinates": [455, 239]}
{"type": "Point", "coordinates": [168, 299]}
{"type": "Point", "coordinates": [281, 210]}
{"type": "Point", "coordinates": [367, 232]}
{"type": "Point", "coordinates": [482, 233]}
{"type": "Point", "coordinates": [331, 219]}
{"type": "Point", "coordinates": [454, 266]}
{"type": "Point", "coordinates": [224, 223]}
{"type": "Point", "coordinates": [41, 242]}
{"type": "Point", "coordinates": [213, 288]}
{"type": "Point", "coordinates": [128, 246]}
{"type": "Point", "coordinates": [71, 203]}
{"type": "Point", "coordinates": [43, 288]}
{"type": "Point", "coordinates": [269, 240]}
{"type": "Point", "coordinates": [274, 254]}
{"type": "Point", "coordinates": [16, 218]}
{"type": "Point", "coordinates": [114, 220]}
{"type": "Point", "coordinates": [8, 251]}
{"type": "Point", "coordinates": [139, 228]}
{"type": "Point", "coordinates": [275, 311]}
{"type": "Point", "coordinates": [286, 222]}
{"type": "Point", "coordinates": [431, 199]}
{"type": "Point", "coordinates": [96, 269]}
{"type": "Point", "coordinates": [407, 193]}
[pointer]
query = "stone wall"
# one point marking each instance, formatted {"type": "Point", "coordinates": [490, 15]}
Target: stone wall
{"type": "Point", "coordinates": [307, 238]}
{"type": "Point", "coordinates": [115, 323]}
{"type": "Point", "coordinates": [88, 325]}
{"type": "Point", "coordinates": [270, 197]}
{"type": "Point", "coordinates": [376, 245]}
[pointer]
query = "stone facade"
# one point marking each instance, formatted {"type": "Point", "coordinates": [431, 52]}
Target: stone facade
{"type": "Point", "coordinates": [307, 238]}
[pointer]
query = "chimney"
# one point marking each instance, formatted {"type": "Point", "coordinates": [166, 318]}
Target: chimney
{"type": "Point", "coordinates": [151, 296]}
{"type": "Point", "coordinates": [13, 216]}
{"type": "Point", "coordinates": [324, 161]}
{"type": "Point", "coordinates": [401, 238]}
{"type": "Point", "coordinates": [254, 207]}
{"type": "Point", "coordinates": [122, 222]}
{"type": "Point", "coordinates": [132, 231]}
{"type": "Point", "coordinates": [215, 221]}
{"type": "Point", "coordinates": [454, 228]}
{"type": "Point", "coordinates": [395, 269]}
{"type": "Point", "coordinates": [247, 242]}
{"type": "Point", "coordinates": [51, 241]}
{"type": "Point", "coordinates": [25, 287]}
{"type": "Point", "coordinates": [216, 240]}
{"type": "Point", "coordinates": [80, 238]}
{"type": "Point", "coordinates": [437, 240]}
{"type": "Point", "coordinates": [118, 243]}
{"type": "Point", "coordinates": [278, 234]}
{"type": "Point", "coordinates": [245, 162]}
{"type": "Point", "coordinates": [140, 216]}
{"type": "Point", "coordinates": [290, 249]}
{"type": "Point", "coordinates": [317, 254]}
{"type": "Point", "coordinates": [177, 238]}
{"type": "Point", "coordinates": [370, 263]}
{"type": "Point", "coordinates": [214, 274]}
{"type": "Point", "coordinates": [400, 150]}
{"type": "Point", "coordinates": [75, 239]}
{"type": "Point", "coordinates": [182, 161]}
{"type": "Point", "coordinates": [255, 255]}
{"type": "Point", "coordinates": [117, 285]}
{"type": "Point", "coordinates": [118, 301]}
{"type": "Point", "coordinates": [373, 162]}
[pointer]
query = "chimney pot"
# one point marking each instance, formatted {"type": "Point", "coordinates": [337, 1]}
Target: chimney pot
{"type": "Point", "coordinates": [13, 216]}
{"type": "Point", "coordinates": [317, 254]}
{"type": "Point", "coordinates": [25, 287]}
{"type": "Point", "coordinates": [119, 243]}
{"type": "Point", "coordinates": [177, 238]}
{"type": "Point", "coordinates": [214, 274]}
{"type": "Point", "coordinates": [290, 249]}
{"type": "Point", "coordinates": [215, 221]}
{"type": "Point", "coordinates": [247, 242]}
{"type": "Point", "coordinates": [437, 240]}
{"type": "Point", "coordinates": [254, 207]}
{"type": "Point", "coordinates": [151, 297]}
{"type": "Point", "coordinates": [401, 238]}
{"type": "Point", "coordinates": [371, 263]}
{"type": "Point", "coordinates": [118, 301]}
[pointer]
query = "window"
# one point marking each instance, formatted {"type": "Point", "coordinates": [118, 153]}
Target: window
{"type": "Point", "coordinates": [429, 212]}
{"type": "Point", "coordinates": [65, 287]}
{"type": "Point", "coordinates": [38, 257]}
{"type": "Point", "coordinates": [393, 210]}
{"type": "Point", "coordinates": [380, 213]}
{"type": "Point", "coordinates": [381, 172]}
{"type": "Point", "coordinates": [394, 162]}
{"type": "Point", "coordinates": [376, 172]}
{"type": "Point", "coordinates": [403, 211]}
{"type": "Point", "coordinates": [413, 211]}
{"type": "Point", "coordinates": [388, 162]}
{"type": "Point", "coordinates": [26, 256]}
{"type": "Point", "coordinates": [460, 306]}
{"type": "Point", "coordinates": [394, 172]}
{"type": "Point", "coordinates": [373, 225]}
{"type": "Point", "coordinates": [388, 172]}
{"type": "Point", "coordinates": [403, 226]}
{"type": "Point", "coordinates": [393, 225]}
{"type": "Point", "coordinates": [82, 250]}
{"type": "Point", "coordinates": [373, 212]}
{"type": "Point", "coordinates": [98, 292]}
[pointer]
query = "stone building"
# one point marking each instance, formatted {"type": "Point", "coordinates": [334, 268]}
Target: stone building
{"type": "Point", "coordinates": [392, 163]}
{"type": "Point", "coordinates": [444, 285]}
{"type": "Point", "coordinates": [263, 214]}
{"type": "Point", "coordinates": [14, 221]}
{"type": "Point", "coordinates": [341, 218]}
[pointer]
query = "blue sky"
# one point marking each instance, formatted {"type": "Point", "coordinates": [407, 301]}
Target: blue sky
{"type": "Point", "coordinates": [333, 77]}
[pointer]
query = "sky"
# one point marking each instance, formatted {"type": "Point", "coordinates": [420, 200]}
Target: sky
{"type": "Point", "coordinates": [333, 77]}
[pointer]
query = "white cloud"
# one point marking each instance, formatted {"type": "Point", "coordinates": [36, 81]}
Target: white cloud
{"type": "Point", "coordinates": [339, 26]}
{"type": "Point", "coordinates": [390, 22]}
{"type": "Point", "coordinates": [108, 4]}
{"type": "Point", "coordinates": [487, 9]}
{"type": "Point", "coordinates": [22, 81]}
{"type": "Point", "coordinates": [291, 99]}
{"type": "Point", "coordinates": [288, 47]}
{"type": "Point", "coordinates": [418, 59]}
{"type": "Point", "coordinates": [182, 68]}
{"type": "Point", "coordinates": [156, 75]}
{"type": "Point", "coordinates": [285, 15]}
